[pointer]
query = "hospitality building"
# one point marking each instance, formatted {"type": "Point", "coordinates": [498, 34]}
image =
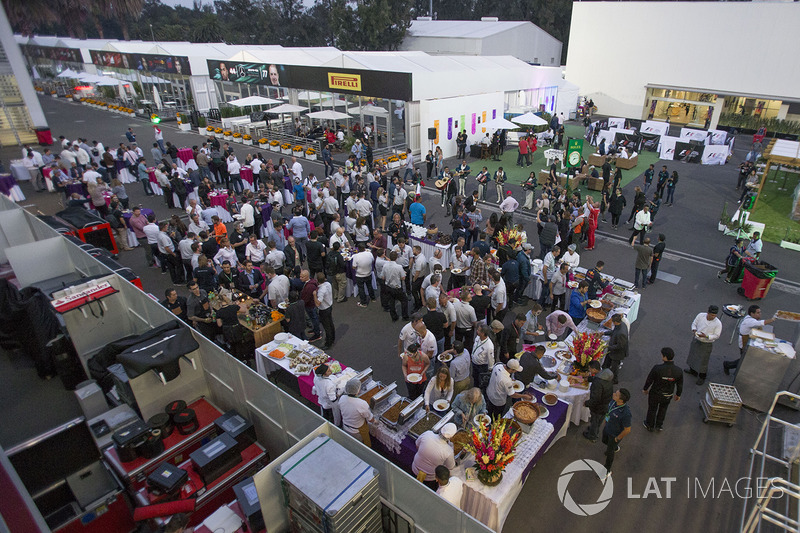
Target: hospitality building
{"type": "Point", "coordinates": [682, 60]}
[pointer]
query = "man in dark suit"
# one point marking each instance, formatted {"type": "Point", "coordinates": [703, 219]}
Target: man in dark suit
{"type": "Point", "coordinates": [250, 281]}
{"type": "Point", "coordinates": [292, 254]}
{"type": "Point", "coordinates": [532, 366]}
{"type": "Point", "coordinates": [617, 346]}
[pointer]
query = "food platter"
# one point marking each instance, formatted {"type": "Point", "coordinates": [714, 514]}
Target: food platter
{"type": "Point", "coordinates": [550, 399]}
{"type": "Point", "coordinates": [564, 354]}
{"type": "Point", "coordinates": [543, 411]}
{"type": "Point", "coordinates": [518, 386]}
{"type": "Point", "coordinates": [459, 440]}
{"type": "Point", "coordinates": [788, 315]}
{"type": "Point", "coordinates": [552, 336]}
{"type": "Point", "coordinates": [595, 304]}
{"type": "Point", "coordinates": [455, 271]}
{"type": "Point", "coordinates": [283, 305]}
{"type": "Point", "coordinates": [548, 361]}
{"type": "Point", "coordinates": [552, 345]}
{"type": "Point", "coordinates": [572, 284]}
{"type": "Point", "coordinates": [525, 412]}
{"type": "Point", "coordinates": [445, 357]}
{"type": "Point", "coordinates": [424, 424]}
{"type": "Point", "coordinates": [280, 337]}
{"type": "Point", "coordinates": [414, 378]}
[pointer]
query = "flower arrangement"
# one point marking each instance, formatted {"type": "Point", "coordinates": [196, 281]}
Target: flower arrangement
{"type": "Point", "coordinates": [509, 237]}
{"type": "Point", "coordinates": [226, 133]}
{"type": "Point", "coordinates": [210, 129]}
{"type": "Point", "coordinates": [263, 141]}
{"type": "Point", "coordinates": [285, 146]}
{"type": "Point", "coordinates": [275, 143]}
{"type": "Point", "coordinates": [217, 130]}
{"type": "Point", "coordinates": [276, 316]}
{"type": "Point", "coordinates": [246, 137]}
{"type": "Point", "coordinates": [297, 148]}
{"type": "Point", "coordinates": [310, 151]}
{"type": "Point", "coordinates": [393, 159]}
{"type": "Point", "coordinates": [586, 347]}
{"type": "Point", "coordinates": [362, 162]}
{"type": "Point", "coordinates": [237, 135]}
{"type": "Point", "coordinates": [493, 446]}
{"type": "Point", "coordinates": [402, 155]}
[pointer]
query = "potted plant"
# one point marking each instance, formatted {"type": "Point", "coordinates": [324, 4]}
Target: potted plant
{"type": "Point", "coordinates": [247, 139]}
{"type": "Point", "coordinates": [394, 161]}
{"type": "Point", "coordinates": [740, 225]}
{"type": "Point", "coordinates": [202, 129]}
{"type": "Point", "coordinates": [493, 446]}
{"type": "Point", "coordinates": [182, 124]}
{"type": "Point", "coordinates": [402, 156]}
{"type": "Point", "coordinates": [286, 148]}
{"type": "Point", "coordinates": [237, 137]}
{"type": "Point", "coordinates": [311, 154]}
{"type": "Point", "coordinates": [263, 143]}
{"type": "Point", "coordinates": [228, 134]}
{"type": "Point", "coordinates": [297, 150]}
{"type": "Point", "coordinates": [791, 242]}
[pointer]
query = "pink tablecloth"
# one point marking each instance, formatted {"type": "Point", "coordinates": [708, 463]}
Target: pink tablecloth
{"type": "Point", "coordinates": [185, 155]}
{"type": "Point", "coordinates": [246, 173]}
{"type": "Point", "coordinates": [218, 199]}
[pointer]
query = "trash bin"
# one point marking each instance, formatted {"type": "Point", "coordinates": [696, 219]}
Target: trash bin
{"type": "Point", "coordinates": [757, 279]}
{"type": "Point", "coordinates": [44, 137]}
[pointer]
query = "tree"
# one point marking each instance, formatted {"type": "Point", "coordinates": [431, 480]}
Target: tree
{"type": "Point", "coordinates": [26, 16]}
{"type": "Point", "coordinates": [370, 24]}
{"type": "Point", "coordinates": [207, 30]}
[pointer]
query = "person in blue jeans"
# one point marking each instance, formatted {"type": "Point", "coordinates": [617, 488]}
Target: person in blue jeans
{"type": "Point", "coordinates": [644, 259]}
{"type": "Point", "coordinates": [648, 177]}
{"type": "Point", "coordinates": [671, 183]}
{"type": "Point", "coordinates": [300, 228]}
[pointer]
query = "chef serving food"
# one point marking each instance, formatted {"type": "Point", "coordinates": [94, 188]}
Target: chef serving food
{"type": "Point", "coordinates": [434, 449]}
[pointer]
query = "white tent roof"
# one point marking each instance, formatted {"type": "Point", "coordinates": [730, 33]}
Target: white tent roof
{"type": "Point", "coordinates": [529, 119]}
{"type": "Point", "coordinates": [328, 114]}
{"type": "Point", "coordinates": [286, 108]}
{"type": "Point", "coordinates": [472, 29]}
{"type": "Point", "coordinates": [253, 100]}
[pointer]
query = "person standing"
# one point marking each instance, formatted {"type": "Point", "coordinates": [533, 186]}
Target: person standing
{"type": "Point", "coordinates": [325, 390]}
{"type": "Point", "coordinates": [664, 382]}
{"type": "Point", "coordinates": [648, 178]}
{"type": "Point", "coordinates": [672, 182]}
{"type": "Point", "coordinates": [501, 388]}
{"type": "Point", "coordinates": [499, 180]}
{"type": "Point", "coordinates": [754, 247]}
{"type": "Point", "coordinates": [644, 259]}
{"type": "Point", "coordinates": [523, 152]}
{"type": "Point", "coordinates": [450, 488]}
{"type": "Point", "coordinates": [415, 361]}
{"type": "Point", "coordinates": [663, 176]}
{"type": "Point", "coordinates": [617, 346]}
{"type": "Point", "coordinates": [362, 264]}
{"type": "Point", "coordinates": [166, 251]}
{"type": "Point", "coordinates": [434, 450]}
{"type": "Point", "coordinates": [615, 207]}
{"type": "Point", "coordinates": [618, 425]}
{"type": "Point", "coordinates": [641, 223]}
{"type": "Point", "coordinates": [159, 138]}
{"type": "Point", "coordinates": [658, 252]}
{"type": "Point", "coordinates": [751, 321]}
{"type": "Point", "coordinates": [409, 165]}
{"type": "Point", "coordinates": [355, 412]}
{"type": "Point", "coordinates": [600, 395]}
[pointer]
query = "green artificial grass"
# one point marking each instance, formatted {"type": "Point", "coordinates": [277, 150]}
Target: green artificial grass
{"type": "Point", "coordinates": [519, 175]}
{"type": "Point", "coordinates": [775, 206]}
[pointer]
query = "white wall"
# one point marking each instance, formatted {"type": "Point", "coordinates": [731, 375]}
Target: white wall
{"type": "Point", "coordinates": [617, 48]}
{"type": "Point", "coordinates": [528, 43]}
{"type": "Point", "coordinates": [446, 109]}
{"type": "Point", "coordinates": [439, 84]}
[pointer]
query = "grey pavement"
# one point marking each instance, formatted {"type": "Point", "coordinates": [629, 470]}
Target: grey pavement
{"type": "Point", "coordinates": [688, 450]}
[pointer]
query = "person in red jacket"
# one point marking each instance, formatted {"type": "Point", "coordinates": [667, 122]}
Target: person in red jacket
{"type": "Point", "coordinates": [523, 152]}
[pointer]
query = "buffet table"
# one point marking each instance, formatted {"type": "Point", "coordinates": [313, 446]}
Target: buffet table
{"type": "Point", "coordinates": [19, 170]}
{"type": "Point", "coordinates": [246, 174]}
{"type": "Point", "coordinates": [219, 201]}
{"type": "Point", "coordinates": [574, 396]}
{"type": "Point", "coordinates": [151, 177]}
{"type": "Point", "coordinates": [491, 505]}
{"type": "Point", "coordinates": [266, 365]}
{"type": "Point", "coordinates": [133, 242]}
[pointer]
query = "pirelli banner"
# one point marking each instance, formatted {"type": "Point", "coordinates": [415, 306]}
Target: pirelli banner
{"type": "Point", "coordinates": [372, 83]}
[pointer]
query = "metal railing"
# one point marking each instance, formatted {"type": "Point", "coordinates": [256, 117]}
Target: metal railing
{"type": "Point", "coordinates": [778, 502]}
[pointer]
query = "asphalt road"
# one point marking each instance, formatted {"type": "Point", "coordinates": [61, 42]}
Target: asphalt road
{"type": "Point", "coordinates": [694, 453]}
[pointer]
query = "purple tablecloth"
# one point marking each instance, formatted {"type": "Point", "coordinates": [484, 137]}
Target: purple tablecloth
{"type": "Point", "coordinates": [7, 182]}
{"type": "Point", "coordinates": [79, 188]}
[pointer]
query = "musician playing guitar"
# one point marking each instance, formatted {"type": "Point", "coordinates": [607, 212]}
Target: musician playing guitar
{"type": "Point", "coordinates": [482, 179]}
{"type": "Point", "coordinates": [499, 180]}
{"type": "Point", "coordinates": [443, 182]}
{"type": "Point", "coordinates": [462, 171]}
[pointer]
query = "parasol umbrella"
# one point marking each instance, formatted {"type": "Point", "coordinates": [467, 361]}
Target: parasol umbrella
{"type": "Point", "coordinates": [368, 109]}
{"type": "Point", "coordinates": [499, 123]}
{"type": "Point", "coordinates": [156, 97]}
{"type": "Point", "coordinates": [253, 100]}
{"type": "Point", "coordinates": [69, 73]}
{"type": "Point", "coordinates": [285, 108]}
{"type": "Point", "coordinates": [529, 119]}
{"type": "Point", "coordinates": [328, 114]}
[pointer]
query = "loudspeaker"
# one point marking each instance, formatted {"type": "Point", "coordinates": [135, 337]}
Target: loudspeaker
{"type": "Point", "coordinates": [431, 134]}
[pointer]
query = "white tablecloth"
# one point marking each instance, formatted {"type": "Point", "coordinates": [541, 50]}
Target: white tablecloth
{"type": "Point", "coordinates": [20, 171]}
{"type": "Point", "coordinates": [491, 505]}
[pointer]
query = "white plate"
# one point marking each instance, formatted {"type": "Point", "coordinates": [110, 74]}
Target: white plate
{"type": "Point", "coordinates": [455, 271]}
{"type": "Point", "coordinates": [445, 357]}
{"type": "Point", "coordinates": [481, 419]}
{"type": "Point", "coordinates": [441, 405]}
{"type": "Point", "coordinates": [572, 284]}
{"type": "Point", "coordinates": [594, 304]}
{"type": "Point", "coordinates": [550, 404]}
{"type": "Point", "coordinates": [414, 378]}
{"type": "Point", "coordinates": [552, 336]}
{"type": "Point", "coordinates": [518, 386]}
{"type": "Point", "coordinates": [282, 305]}
{"type": "Point", "coordinates": [543, 412]}
{"type": "Point", "coordinates": [280, 337]}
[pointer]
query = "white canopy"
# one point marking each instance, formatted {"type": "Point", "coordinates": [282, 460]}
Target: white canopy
{"type": "Point", "coordinates": [69, 73]}
{"type": "Point", "coordinates": [368, 109]}
{"type": "Point", "coordinates": [499, 123]}
{"type": "Point", "coordinates": [286, 108]}
{"type": "Point", "coordinates": [529, 119]}
{"type": "Point", "coordinates": [89, 78]}
{"type": "Point", "coordinates": [328, 114]}
{"type": "Point", "coordinates": [253, 100]}
{"type": "Point", "coordinates": [106, 81]}
{"type": "Point", "coordinates": [331, 102]}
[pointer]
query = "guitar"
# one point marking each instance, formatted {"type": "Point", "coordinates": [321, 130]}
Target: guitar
{"type": "Point", "coordinates": [442, 183]}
